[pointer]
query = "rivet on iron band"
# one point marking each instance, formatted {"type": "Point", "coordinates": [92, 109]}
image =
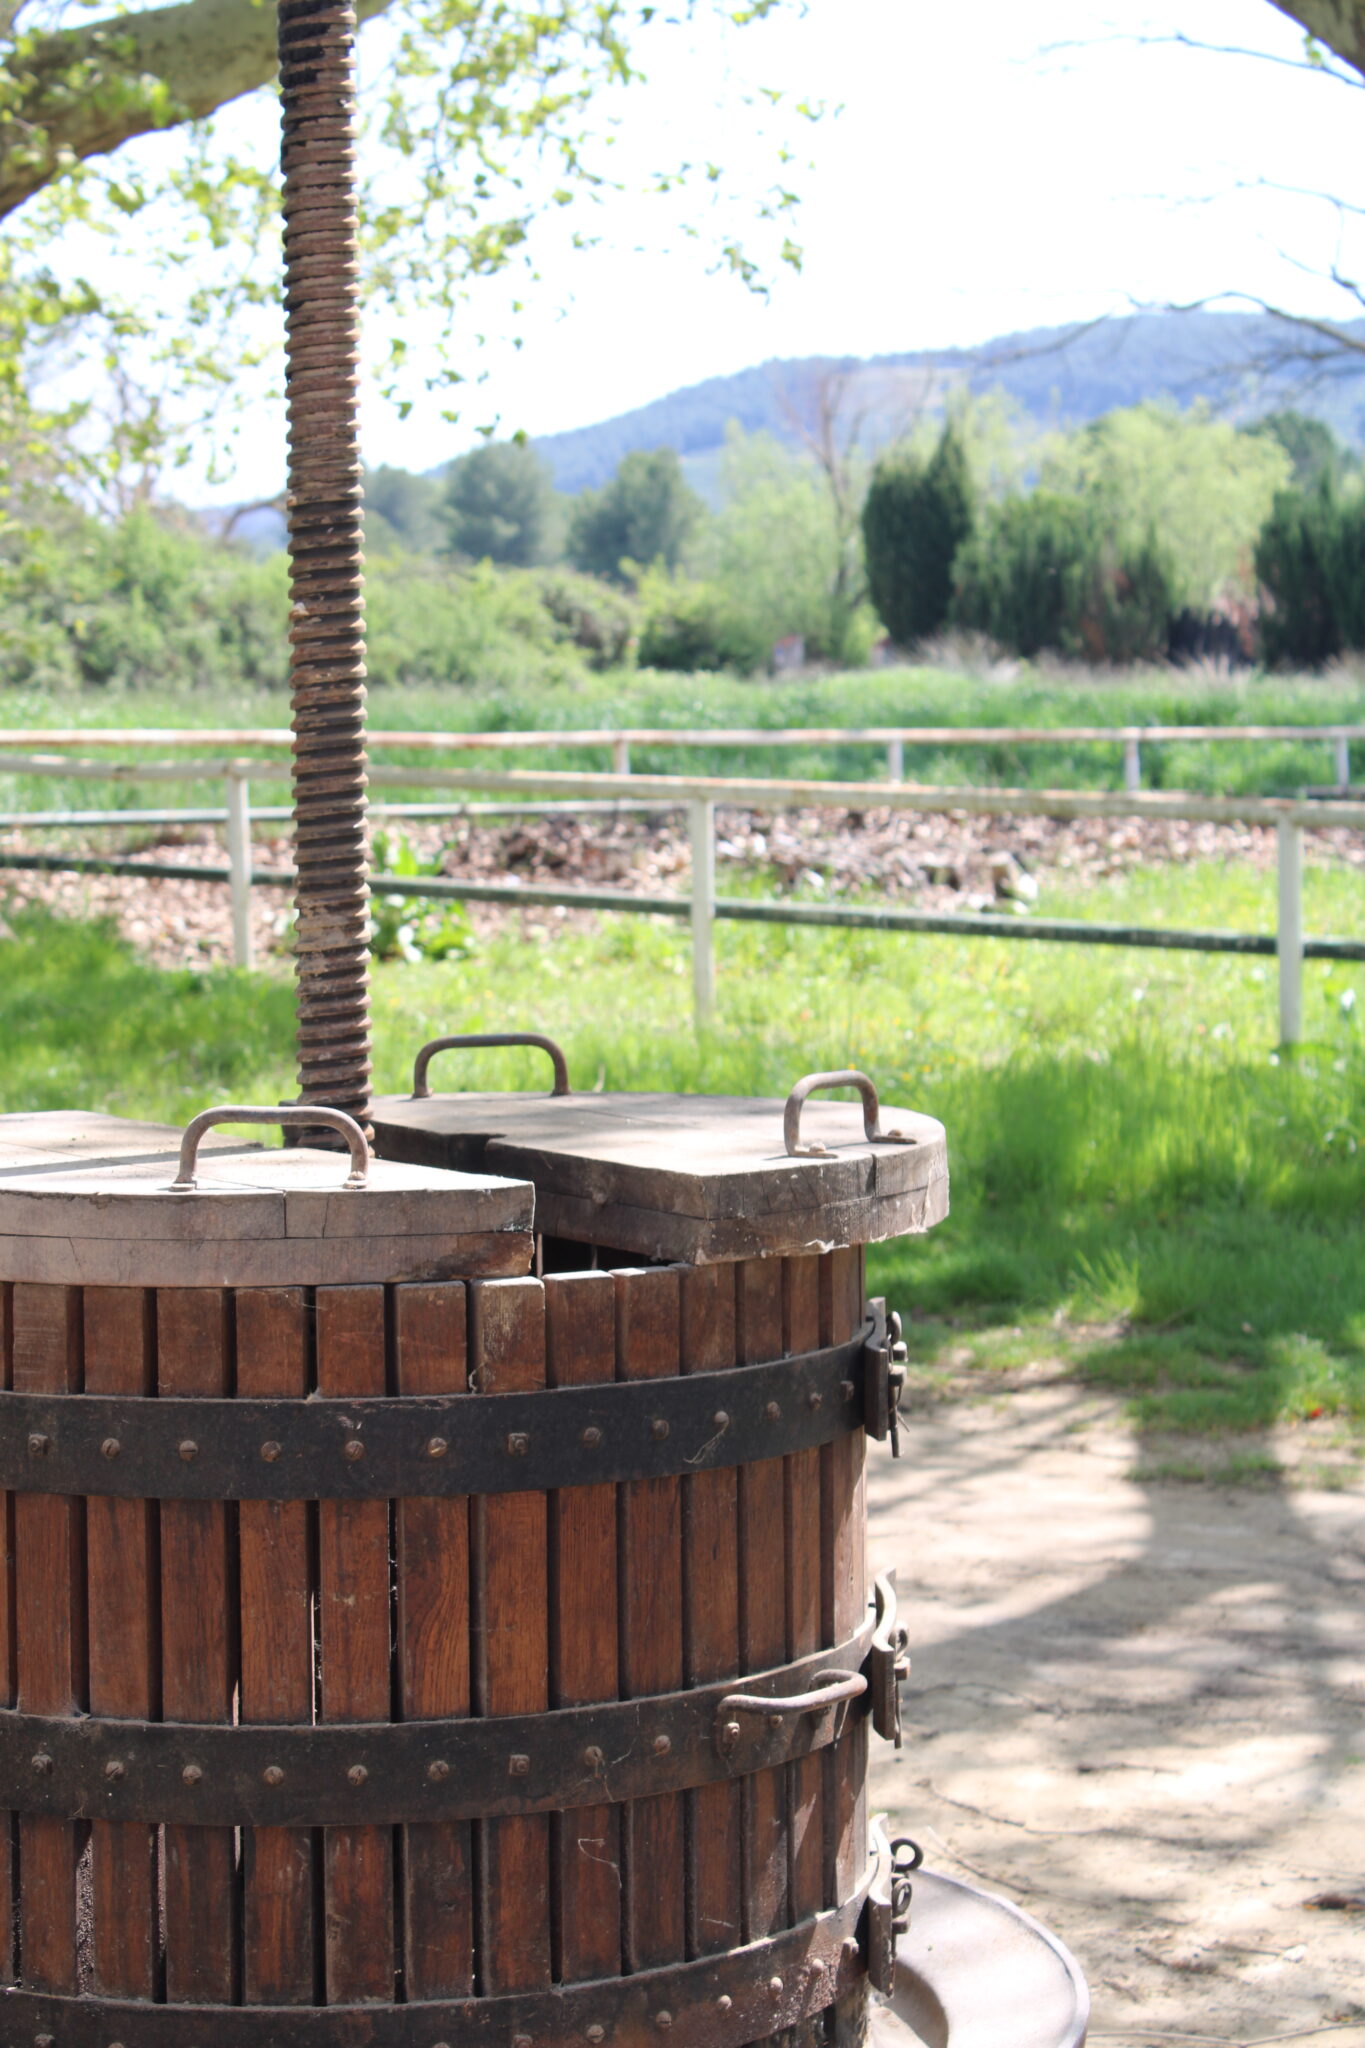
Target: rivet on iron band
{"type": "Point", "coordinates": [270, 1451]}
{"type": "Point", "coordinates": [357, 1774]}
{"type": "Point", "coordinates": [42, 1764]}
{"type": "Point", "coordinates": [773, 1412]}
{"type": "Point", "coordinates": [273, 1775]}
{"type": "Point", "coordinates": [437, 1446]}
{"type": "Point", "coordinates": [850, 1950]}
{"type": "Point", "coordinates": [774, 1720]}
{"type": "Point", "coordinates": [191, 1774]}
{"type": "Point", "coordinates": [724, 2002]}
{"type": "Point", "coordinates": [814, 1398]}
{"type": "Point", "coordinates": [37, 1446]}
{"type": "Point", "coordinates": [44, 2041]}
{"type": "Point", "coordinates": [438, 1770]}
{"type": "Point", "coordinates": [110, 1447]}
{"type": "Point", "coordinates": [518, 1766]}
{"type": "Point", "coordinates": [658, 1429]}
{"type": "Point", "coordinates": [521, 2041]}
{"type": "Point", "coordinates": [663, 2021]}
{"type": "Point", "coordinates": [518, 1444]}
{"type": "Point", "coordinates": [593, 1758]}
{"type": "Point", "coordinates": [189, 1450]}
{"type": "Point", "coordinates": [116, 2044]}
{"type": "Point", "coordinates": [595, 2034]}
{"type": "Point", "coordinates": [732, 1732]}
{"type": "Point", "coordinates": [591, 1437]}
{"type": "Point", "coordinates": [353, 1449]}
{"type": "Point", "coordinates": [847, 1389]}
{"type": "Point", "coordinates": [817, 1971]}
{"type": "Point", "coordinates": [114, 1770]}
{"type": "Point", "coordinates": [662, 1745]}
{"type": "Point", "coordinates": [775, 1986]}
{"type": "Point", "coordinates": [720, 1420]}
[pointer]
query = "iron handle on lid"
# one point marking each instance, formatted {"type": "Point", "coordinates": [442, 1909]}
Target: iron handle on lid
{"type": "Point", "coordinates": [421, 1089]}
{"type": "Point", "coordinates": [831, 1689]}
{"type": "Point", "coordinates": [294, 1116]}
{"type": "Point", "coordinates": [847, 1078]}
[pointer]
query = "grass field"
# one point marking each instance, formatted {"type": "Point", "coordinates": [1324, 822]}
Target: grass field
{"type": "Point", "coordinates": [899, 696]}
{"type": "Point", "coordinates": [1143, 1191]}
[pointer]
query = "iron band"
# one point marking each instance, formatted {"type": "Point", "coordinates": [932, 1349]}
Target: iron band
{"type": "Point", "coordinates": [424, 1446]}
{"type": "Point", "coordinates": [80, 1767]}
{"type": "Point", "coordinates": [715, 2002]}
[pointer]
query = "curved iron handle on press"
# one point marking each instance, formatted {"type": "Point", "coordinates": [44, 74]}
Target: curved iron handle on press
{"type": "Point", "coordinates": [421, 1090]}
{"type": "Point", "coordinates": [291, 1116]}
{"type": "Point", "coordinates": [847, 1078]}
{"type": "Point", "coordinates": [837, 1686]}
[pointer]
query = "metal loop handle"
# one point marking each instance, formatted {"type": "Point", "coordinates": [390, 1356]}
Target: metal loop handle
{"type": "Point", "coordinates": [302, 1115]}
{"type": "Point", "coordinates": [848, 1078]}
{"type": "Point", "coordinates": [830, 1689]}
{"type": "Point", "coordinates": [420, 1089]}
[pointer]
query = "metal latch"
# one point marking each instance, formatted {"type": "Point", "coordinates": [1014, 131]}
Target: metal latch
{"type": "Point", "coordinates": [888, 1661]}
{"type": "Point", "coordinates": [888, 1902]}
{"type": "Point", "coordinates": [886, 1355]}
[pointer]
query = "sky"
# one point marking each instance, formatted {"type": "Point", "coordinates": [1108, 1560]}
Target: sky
{"type": "Point", "coordinates": [990, 168]}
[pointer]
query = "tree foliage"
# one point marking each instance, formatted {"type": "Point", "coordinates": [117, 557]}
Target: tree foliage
{"type": "Point", "coordinates": [499, 505]}
{"type": "Point", "coordinates": [477, 118]}
{"type": "Point", "coordinates": [646, 515]}
{"type": "Point", "coordinates": [1195, 480]}
{"type": "Point", "coordinates": [1310, 559]}
{"type": "Point", "coordinates": [1315, 454]}
{"type": "Point", "coordinates": [916, 516]}
{"type": "Point", "coordinates": [1048, 572]}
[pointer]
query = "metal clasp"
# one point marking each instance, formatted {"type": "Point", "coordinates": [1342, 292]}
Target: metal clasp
{"type": "Point", "coordinates": [888, 1661]}
{"type": "Point", "coordinates": [888, 1901]}
{"type": "Point", "coordinates": [885, 1354]}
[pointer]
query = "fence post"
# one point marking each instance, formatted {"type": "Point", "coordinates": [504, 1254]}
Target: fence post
{"type": "Point", "coordinates": [1289, 929]}
{"type": "Point", "coordinates": [1341, 747]}
{"type": "Point", "coordinates": [895, 760]}
{"type": "Point", "coordinates": [620, 755]}
{"type": "Point", "coordinates": [239, 862]}
{"type": "Point", "coordinates": [1132, 762]}
{"type": "Point", "coordinates": [701, 826]}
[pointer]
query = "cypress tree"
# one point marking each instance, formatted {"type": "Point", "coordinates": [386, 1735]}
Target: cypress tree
{"type": "Point", "coordinates": [915, 518]}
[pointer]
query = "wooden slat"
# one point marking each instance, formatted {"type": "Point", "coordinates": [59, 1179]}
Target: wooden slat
{"type": "Point", "coordinates": [353, 1581]}
{"type": "Point", "coordinates": [8, 1959]}
{"type": "Point", "coordinates": [50, 1633]}
{"type": "Point", "coordinates": [279, 1960]}
{"type": "Point", "coordinates": [432, 1538]}
{"type": "Point", "coordinates": [763, 1604]}
{"type": "Point", "coordinates": [125, 1651]}
{"type": "Point", "coordinates": [198, 1665]}
{"type": "Point", "coordinates": [580, 1325]}
{"type": "Point", "coordinates": [511, 1636]}
{"type": "Point", "coordinates": [843, 1594]}
{"type": "Point", "coordinates": [711, 1623]}
{"type": "Point", "coordinates": [805, 1788]}
{"type": "Point", "coordinates": [648, 1346]}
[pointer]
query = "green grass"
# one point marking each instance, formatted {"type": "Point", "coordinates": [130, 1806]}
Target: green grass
{"type": "Point", "coordinates": [900, 696]}
{"type": "Point", "coordinates": [1143, 1189]}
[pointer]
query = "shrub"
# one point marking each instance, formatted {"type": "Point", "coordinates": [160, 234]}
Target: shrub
{"type": "Point", "coordinates": [601, 622]}
{"type": "Point", "coordinates": [915, 518]}
{"type": "Point", "coordinates": [1043, 572]}
{"type": "Point", "coordinates": [689, 625]}
{"type": "Point", "coordinates": [646, 514]}
{"type": "Point", "coordinates": [1310, 559]}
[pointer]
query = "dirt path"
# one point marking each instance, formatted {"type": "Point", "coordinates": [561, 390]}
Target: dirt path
{"type": "Point", "coordinates": [1137, 1709]}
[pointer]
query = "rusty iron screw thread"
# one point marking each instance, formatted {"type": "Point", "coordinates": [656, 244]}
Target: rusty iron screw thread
{"type": "Point", "coordinates": [326, 630]}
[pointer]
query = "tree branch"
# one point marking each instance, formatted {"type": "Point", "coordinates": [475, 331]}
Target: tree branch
{"type": "Point", "coordinates": [84, 91]}
{"type": "Point", "coordinates": [1339, 25]}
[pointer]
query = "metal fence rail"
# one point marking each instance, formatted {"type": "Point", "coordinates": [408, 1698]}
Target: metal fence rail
{"type": "Point", "coordinates": [698, 796]}
{"type": "Point", "coordinates": [894, 739]}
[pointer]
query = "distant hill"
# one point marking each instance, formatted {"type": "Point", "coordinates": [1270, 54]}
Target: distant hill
{"type": "Point", "coordinates": [1243, 364]}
